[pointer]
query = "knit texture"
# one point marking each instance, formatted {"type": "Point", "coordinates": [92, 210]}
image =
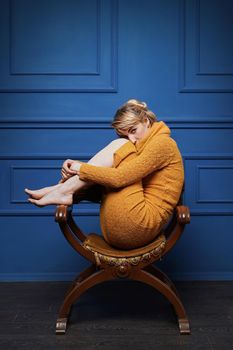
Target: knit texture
{"type": "Point", "coordinates": [142, 188]}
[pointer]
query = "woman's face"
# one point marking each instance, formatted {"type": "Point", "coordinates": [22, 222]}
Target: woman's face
{"type": "Point", "coordinates": [138, 131]}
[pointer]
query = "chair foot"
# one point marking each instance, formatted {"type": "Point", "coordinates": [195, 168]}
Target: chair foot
{"type": "Point", "coordinates": [61, 325]}
{"type": "Point", "coordinates": [166, 289]}
{"type": "Point", "coordinates": [76, 291]}
{"type": "Point", "coordinates": [184, 326]}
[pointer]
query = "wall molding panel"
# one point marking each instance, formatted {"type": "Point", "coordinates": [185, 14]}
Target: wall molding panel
{"type": "Point", "coordinates": [202, 198]}
{"type": "Point", "coordinates": [17, 172]}
{"type": "Point", "coordinates": [220, 184]}
{"type": "Point", "coordinates": [17, 59]}
{"type": "Point", "coordinates": [198, 50]}
{"type": "Point", "coordinates": [29, 65]}
{"type": "Point", "coordinates": [31, 172]}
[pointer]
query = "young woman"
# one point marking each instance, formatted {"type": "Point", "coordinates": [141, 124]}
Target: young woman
{"type": "Point", "coordinates": [141, 172]}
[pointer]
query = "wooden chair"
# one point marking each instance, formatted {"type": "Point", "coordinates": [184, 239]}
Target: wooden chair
{"type": "Point", "coordinates": [109, 263]}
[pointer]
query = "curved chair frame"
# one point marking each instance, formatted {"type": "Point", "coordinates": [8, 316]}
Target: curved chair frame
{"type": "Point", "coordinates": [108, 263]}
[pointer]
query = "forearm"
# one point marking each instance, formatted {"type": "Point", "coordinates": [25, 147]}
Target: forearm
{"type": "Point", "coordinates": [154, 157]}
{"type": "Point", "coordinates": [110, 177]}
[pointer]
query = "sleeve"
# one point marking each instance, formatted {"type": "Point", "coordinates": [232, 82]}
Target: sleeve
{"type": "Point", "coordinates": [156, 155]}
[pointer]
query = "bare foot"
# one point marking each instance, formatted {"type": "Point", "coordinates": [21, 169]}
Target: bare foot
{"type": "Point", "coordinates": [38, 194]}
{"type": "Point", "coordinates": [53, 197]}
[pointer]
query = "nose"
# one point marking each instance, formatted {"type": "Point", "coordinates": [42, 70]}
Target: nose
{"type": "Point", "coordinates": [132, 138]}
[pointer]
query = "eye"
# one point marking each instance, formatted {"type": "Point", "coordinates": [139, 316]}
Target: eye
{"type": "Point", "coordinates": [132, 131]}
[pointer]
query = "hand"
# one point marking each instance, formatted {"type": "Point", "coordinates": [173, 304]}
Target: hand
{"type": "Point", "coordinates": [75, 166]}
{"type": "Point", "coordinates": [66, 170]}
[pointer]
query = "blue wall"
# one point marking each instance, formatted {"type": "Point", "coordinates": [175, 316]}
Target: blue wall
{"type": "Point", "coordinates": [65, 66]}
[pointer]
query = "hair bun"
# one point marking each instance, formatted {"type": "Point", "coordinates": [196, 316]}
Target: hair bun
{"type": "Point", "coordinates": [137, 103]}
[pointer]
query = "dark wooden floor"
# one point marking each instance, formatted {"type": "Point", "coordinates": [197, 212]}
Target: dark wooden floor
{"type": "Point", "coordinates": [116, 316]}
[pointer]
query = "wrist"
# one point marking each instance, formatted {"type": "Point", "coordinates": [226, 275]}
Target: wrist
{"type": "Point", "coordinates": [75, 166]}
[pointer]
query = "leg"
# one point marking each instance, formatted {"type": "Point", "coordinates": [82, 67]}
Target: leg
{"type": "Point", "coordinates": [105, 156]}
{"type": "Point", "coordinates": [38, 194]}
{"type": "Point", "coordinates": [63, 193]}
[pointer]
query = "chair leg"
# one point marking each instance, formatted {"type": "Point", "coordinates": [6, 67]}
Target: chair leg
{"type": "Point", "coordinates": [155, 271]}
{"type": "Point", "coordinates": [76, 291]}
{"type": "Point", "coordinates": [83, 275]}
{"type": "Point", "coordinates": [165, 289]}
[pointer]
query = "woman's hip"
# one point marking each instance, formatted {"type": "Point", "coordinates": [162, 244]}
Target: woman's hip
{"type": "Point", "coordinates": [127, 221]}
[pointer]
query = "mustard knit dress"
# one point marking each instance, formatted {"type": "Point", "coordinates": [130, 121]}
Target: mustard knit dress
{"type": "Point", "coordinates": [141, 189]}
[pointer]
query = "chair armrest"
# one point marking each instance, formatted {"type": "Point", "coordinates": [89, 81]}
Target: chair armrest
{"type": "Point", "coordinates": [71, 232]}
{"type": "Point", "coordinates": [62, 213]}
{"type": "Point", "coordinates": [173, 232]}
{"type": "Point", "coordinates": [183, 214]}
{"type": "Point", "coordinates": [63, 216]}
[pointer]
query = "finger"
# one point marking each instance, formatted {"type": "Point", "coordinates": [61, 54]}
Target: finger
{"type": "Point", "coordinates": [70, 172]}
{"type": "Point", "coordinates": [66, 167]}
{"type": "Point", "coordinates": [67, 164]}
{"type": "Point", "coordinates": [68, 161]}
{"type": "Point", "coordinates": [65, 170]}
{"type": "Point", "coordinates": [64, 175]}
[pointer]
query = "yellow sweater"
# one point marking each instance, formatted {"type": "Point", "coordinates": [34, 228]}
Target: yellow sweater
{"type": "Point", "coordinates": [142, 188]}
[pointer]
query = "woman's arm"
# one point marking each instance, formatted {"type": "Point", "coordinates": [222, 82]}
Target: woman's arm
{"type": "Point", "coordinates": [157, 154]}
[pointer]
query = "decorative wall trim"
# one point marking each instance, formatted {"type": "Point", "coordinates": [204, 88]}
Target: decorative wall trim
{"type": "Point", "coordinates": [191, 80]}
{"type": "Point", "coordinates": [85, 156]}
{"type": "Point", "coordinates": [69, 276]}
{"type": "Point", "coordinates": [206, 200]}
{"type": "Point", "coordinates": [175, 122]}
{"type": "Point", "coordinates": [225, 123]}
{"type": "Point", "coordinates": [202, 276]}
{"type": "Point", "coordinates": [198, 44]}
{"type": "Point", "coordinates": [23, 207]}
{"type": "Point", "coordinates": [84, 212]}
{"type": "Point", "coordinates": [14, 168]}
{"type": "Point", "coordinates": [102, 79]}
{"type": "Point", "coordinates": [11, 45]}
{"type": "Point", "coordinates": [93, 210]}
{"type": "Point", "coordinates": [46, 156]}
{"type": "Point", "coordinates": [208, 156]}
{"type": "Point", "coordinates": [51, 212]}
{"type": "Point", "coordinates": [24, 277]}
{"type": "Point", "coordinates": [198, 207]}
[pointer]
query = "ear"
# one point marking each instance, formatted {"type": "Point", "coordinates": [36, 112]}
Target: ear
{"type": "Point", "coordinates": [147, 122]}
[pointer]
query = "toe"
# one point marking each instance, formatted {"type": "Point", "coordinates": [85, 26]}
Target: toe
{"type": "Point", "coordinates": [31, 200]}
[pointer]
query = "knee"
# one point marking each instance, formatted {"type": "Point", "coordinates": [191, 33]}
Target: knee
{"type": "Point", "coordinates": [118, 142]}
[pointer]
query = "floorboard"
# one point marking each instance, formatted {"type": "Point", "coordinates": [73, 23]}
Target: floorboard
{"type": "Point", "coordinates": [116, 315]}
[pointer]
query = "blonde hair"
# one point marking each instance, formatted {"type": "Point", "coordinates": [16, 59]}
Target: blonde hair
{"type": "Point", "coordinates": [130, 114]}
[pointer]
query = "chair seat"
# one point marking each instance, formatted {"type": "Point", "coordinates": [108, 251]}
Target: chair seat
{"type": "Point", "coordinates": [97, 244]}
